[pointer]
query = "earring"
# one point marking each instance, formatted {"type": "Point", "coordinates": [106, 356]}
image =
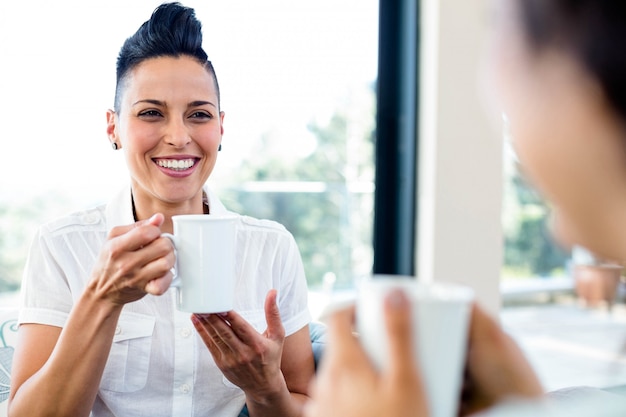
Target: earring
{"type": "Point", "coordinates": [219, 148]}
{"type": "Point", "coordinates": [114, 146]}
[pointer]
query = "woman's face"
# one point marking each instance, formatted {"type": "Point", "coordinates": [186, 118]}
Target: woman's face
{"type": "Point", "coordinates": [569, 142]}
{"type": "Point", "coordinates": [169, 126]}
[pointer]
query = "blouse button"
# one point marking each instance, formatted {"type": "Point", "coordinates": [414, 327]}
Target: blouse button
{"type": "Point", "coordinates": [90, 219]}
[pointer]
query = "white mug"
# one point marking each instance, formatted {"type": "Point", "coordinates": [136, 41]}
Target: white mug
{"type": "Point", "coordinates": [440, 314]}
{"type": "Point", "coordinates": [204, 275]}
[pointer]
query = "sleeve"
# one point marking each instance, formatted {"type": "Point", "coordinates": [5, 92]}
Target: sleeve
{"type": "Point", "coordinates": [518, 407]}
{"type": "Point", "coordinates": [571, 402]}
{"type": "Point", "coordinates": [45, 294]}
{"type": "Point", "coordinates": [293, 292]}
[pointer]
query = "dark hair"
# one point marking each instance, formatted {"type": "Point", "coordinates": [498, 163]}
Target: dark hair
{"type": "Point", "coordinates": [592, 31]}
{"type": "Point", "coordinates": [173, 30]}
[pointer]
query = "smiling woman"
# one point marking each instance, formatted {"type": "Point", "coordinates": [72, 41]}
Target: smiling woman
{"type": "Point", "coordinates": [97, 282]}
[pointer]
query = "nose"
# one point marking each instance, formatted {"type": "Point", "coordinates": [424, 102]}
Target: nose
{"type": "Point", "coordinates": [176, 133]}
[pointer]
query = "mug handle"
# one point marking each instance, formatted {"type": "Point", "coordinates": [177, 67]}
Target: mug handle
{"type": "Point", "coordinates": [175, 280]}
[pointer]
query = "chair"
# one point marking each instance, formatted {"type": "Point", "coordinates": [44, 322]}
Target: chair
{"type": "Point", "coordinates": [8, 334]}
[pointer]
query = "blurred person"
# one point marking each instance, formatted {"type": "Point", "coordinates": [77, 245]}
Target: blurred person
{"type": "Point", "coordinates": [99, 332]}
{"type": "Point", "coordinates": [559, 73]}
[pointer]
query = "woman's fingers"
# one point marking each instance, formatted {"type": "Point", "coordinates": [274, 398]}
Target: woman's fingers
{"type": "Point", "coordinates": [232, 328]}
{"type": "Point", "coordinates": [204, 330]}
{"type": "Point", "coordinates": [135, 235]}
{"type": "Point", "coordinates": [134, 261]}
{"type": "Point", "coordinates": [220, 330]}
{"type": "Point", "coordinates": [252, 364]}
{"type": "Point", "coordinates": [159, 286]}
{"type": "Point", "coordinates": [153, 261]}
{"type": "Point", "coordinates": [158, 270]}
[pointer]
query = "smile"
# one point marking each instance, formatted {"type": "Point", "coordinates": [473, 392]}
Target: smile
{"type": "Point", "coordinates": [176, 164]}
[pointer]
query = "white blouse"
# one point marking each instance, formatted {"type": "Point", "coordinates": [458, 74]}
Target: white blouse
{"type": "Point", "coordinates": [158, 365]}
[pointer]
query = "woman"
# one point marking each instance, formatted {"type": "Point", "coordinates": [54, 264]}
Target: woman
{"type": "Point", "coordinates": [560, 77]}
{"type": "Point", "coordinates": [98, 329]}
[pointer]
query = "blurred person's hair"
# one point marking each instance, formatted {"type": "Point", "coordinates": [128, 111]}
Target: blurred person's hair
{"type": "Point", "coordinates": [591, 31]}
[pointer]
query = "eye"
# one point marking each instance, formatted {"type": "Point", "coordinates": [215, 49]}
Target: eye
{"type": "Point", "coordinates": [150, 114]}
{"type": "Point", "coordinates": [200, 115]}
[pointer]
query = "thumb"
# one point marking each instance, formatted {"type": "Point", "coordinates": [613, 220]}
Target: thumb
{"type": "Point", "coordinates": [275, 329]}
{"type": "Point", "coordinates": [483, 328]}
{"type": "Point", "coordinates": [399, 331]}
{"type": "Point", "coordinates": [157, 220]}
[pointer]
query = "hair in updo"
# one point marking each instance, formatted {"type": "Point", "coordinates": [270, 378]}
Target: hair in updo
{"type": "Point", "coordinates": [592, 31]}
{"type": "Point", "coordinates": [173, 30]}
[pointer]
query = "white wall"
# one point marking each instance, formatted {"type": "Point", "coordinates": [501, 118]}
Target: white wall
{"type": "Point", "coordinates": [459, 231]}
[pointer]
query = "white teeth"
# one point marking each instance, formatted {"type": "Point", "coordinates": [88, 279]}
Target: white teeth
{"type": "Point", "coordinates": [176, 164]}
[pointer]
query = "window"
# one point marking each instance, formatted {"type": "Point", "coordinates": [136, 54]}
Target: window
{"type": "Point", "coordinates": [535, 267]}
{"type": "Point", "coordinates": [529, 249]}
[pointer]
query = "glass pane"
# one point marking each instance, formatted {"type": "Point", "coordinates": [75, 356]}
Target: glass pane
{"type": "Point", "coordinates": [530, 249]}
{"type": "Point", "coordinates": [297, 82]}
{"type": "Point", "coordinates": [534, 264]}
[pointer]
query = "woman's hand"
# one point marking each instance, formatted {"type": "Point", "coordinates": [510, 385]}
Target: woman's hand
{"type": "Point", "coordinates": [496, 367]}
{"type": "Point", "coordinates": [248, 359]}
{"type": "Point", "coordinates": [135, 260]}
{"type": "Point", "coordinates": [347, 383]}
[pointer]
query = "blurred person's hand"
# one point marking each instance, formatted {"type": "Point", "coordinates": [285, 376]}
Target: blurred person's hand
{"type": "Point", "coordinates": [496, 368]}
{"type": "Point", "coordinates": [347, 384]}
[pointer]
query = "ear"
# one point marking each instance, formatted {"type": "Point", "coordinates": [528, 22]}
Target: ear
{"type": "Point", "coordinates": [222, 123]}
{"type": "Point", "coordinates": [111, 128]}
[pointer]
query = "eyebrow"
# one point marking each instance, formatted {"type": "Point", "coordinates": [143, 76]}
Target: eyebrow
{"type": "Point", "coordinates": [198, 103]}
{"type": "Point", "coordinates": [195, 103]}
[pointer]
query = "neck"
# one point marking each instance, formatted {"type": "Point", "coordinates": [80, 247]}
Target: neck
{"type": "Point", "coordinates": [143, 210]}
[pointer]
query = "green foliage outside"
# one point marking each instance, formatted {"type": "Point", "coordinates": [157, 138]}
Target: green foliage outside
{"type": "Point", "coordinates": [529, 248]}
{"type": "Point", "coordinates": [18, 225]}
